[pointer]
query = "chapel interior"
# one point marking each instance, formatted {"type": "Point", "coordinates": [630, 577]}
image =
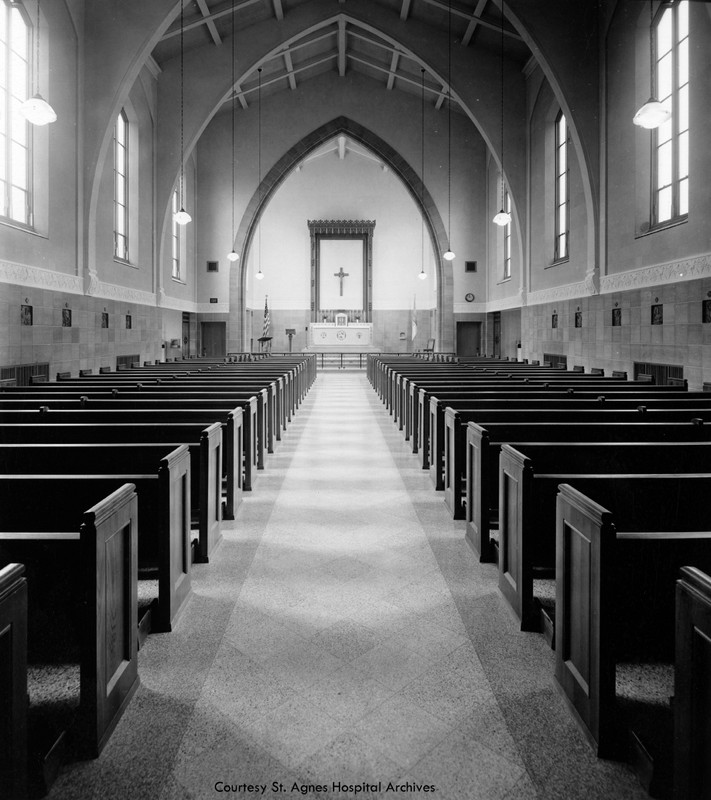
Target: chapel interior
{"type": "Point", "coordinates": [341, 164]}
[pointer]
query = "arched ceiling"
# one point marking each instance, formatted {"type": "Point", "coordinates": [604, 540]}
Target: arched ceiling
{"type": "Point", "coordinates": [339, 45]}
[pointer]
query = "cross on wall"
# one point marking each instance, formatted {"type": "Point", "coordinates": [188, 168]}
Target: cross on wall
{"type": "Point", "coordinates": [341, 275]}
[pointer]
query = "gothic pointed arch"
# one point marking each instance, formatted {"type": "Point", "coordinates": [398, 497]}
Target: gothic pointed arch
{"type": "Point", "coordinates": [278, 173]}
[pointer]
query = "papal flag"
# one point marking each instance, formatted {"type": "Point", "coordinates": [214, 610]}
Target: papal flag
{"type": "Point", "coordinates": [413, 317]}
{"type": "Point", "coordinates": [267, 320]}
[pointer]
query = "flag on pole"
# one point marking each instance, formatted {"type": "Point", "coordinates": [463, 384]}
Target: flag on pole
{"type": "Point", "coordinates": [413, 317]}
{"type": "Point", "coordinates": [267, 320]}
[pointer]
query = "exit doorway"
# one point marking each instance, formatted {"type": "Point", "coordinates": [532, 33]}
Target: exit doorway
{"type": "Point", "coordinates": [214, 339]}
{"type": "Point", "coordinates": [468, 338]}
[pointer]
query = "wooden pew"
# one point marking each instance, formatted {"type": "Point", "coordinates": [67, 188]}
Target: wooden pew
{"type": "Point", "coordinates": [239, 435]}
{"type": "Point", "coordinates": [82, 574]}
{"type": "Point", "coordinates": [528, 483]}
{"type": "Point", "coordinates": [254, 425]}
{"type": "Point", "coordinates": [483, 445]}
{"type": "Point", "coordinates": [62, 456]}
{"type": "Point", "coordinates": [170, 433]}
{"type": "Point", "coordinates": [616, 575]}
{"type": "Point", "coordinates": [542, 411]}
{"type": "Point", "coordinates": [692, 693]}
{"type": "Point", "coordinates": [13, 686]}
{"type": "Point", "coordinates": [164, 506]}
{"type": "Point", "coordinates": [432, 406]}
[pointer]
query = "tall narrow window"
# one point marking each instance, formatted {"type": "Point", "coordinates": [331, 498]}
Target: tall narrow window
{"type": "Point", "coordinates": [121, 187]}
{"type": "Point", "coordinates": [507, 236]}
{"type": "Point", "coordinates": [670, 142]}
{"type": "Point", "coordinates": [15, 160]}
{"type": "Point", "coordinates": [175, 237]}
{"type": "Point", "coordinates": [562, 205]}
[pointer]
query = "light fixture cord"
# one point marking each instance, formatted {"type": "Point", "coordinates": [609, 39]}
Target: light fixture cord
{"type": "Point", "coordinates": [422, 176]}
{"type": "Point", "coordinates": [234, 98]}
{"type": "Point", "coordinates": [449, 123]}
{"type": "Point", "coordinates": [652, 69]}
{"type": "Point", "coordinates": [182, 150]}
{"type": "Point", "coordinates": [502, 104]}
{"type": "Point", "coordinates": [37, 44]}
{"type": "Point", "coordinates": [259, 162]}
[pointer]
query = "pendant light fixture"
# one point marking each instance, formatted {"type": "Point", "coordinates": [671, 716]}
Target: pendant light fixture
{"type": "Point", "coordinates": [503, 218]}
{"type": "Point", "coordinates": [182, 217]}
{"type": "Point", "coordinates": [260, 275]}
{"type": "Point", "coordinates": [36, 110]}
{"type": "Point", "coordinates": [232, 256]}
{"type": "Point", "coordinates": [653, 113]}
{"type": "Point", "coordinates": [449, 255]}
{"type": "Point", "coordinates": [423, 275]}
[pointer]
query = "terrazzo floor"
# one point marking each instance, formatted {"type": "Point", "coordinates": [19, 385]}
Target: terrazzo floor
{"type": "Point", "coordinates": [344, 633]}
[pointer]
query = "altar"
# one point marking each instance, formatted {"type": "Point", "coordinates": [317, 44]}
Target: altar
{"type": "Point", "coordinates": [355, 336]}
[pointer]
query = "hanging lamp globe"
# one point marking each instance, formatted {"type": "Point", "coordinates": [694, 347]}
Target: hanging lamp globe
{"type": "Point", "coordinates": [232, 256]}
{"type": "Point", "coordinates": [449, 256]}
{"type": "Point", "coordinates": [37, 111]}
{"type": "Point", "coordinates": [182, 217]}
{"type": "Point", "coordinates": [502, 219]}
{"type": "Point", "coordinates": [423, 275]}
{"type": "Point", "coordinates": [651, 115]}
{"type": "Point", "coordinates": [260, 275]}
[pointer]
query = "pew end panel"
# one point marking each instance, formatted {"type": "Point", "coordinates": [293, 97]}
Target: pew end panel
{"type": "Point", "coordinates": [174, 539]}
{"type": "Point", "coordinates": [616, 608]}
{"type": "Point", "coordinates": [584, 531]}
{"type": "Point", "coordinates": [478, 489]}
{"type": "Point", "coordinates": [692, 686]}
{"type": "Point", "coordinates": [210, 492]}
{"type": "Point", "coordinates": [109, 677]}
{"type": "Point", "coordinates": [13, 686]}
{"type": "Point", "coordinates": [517, 555]}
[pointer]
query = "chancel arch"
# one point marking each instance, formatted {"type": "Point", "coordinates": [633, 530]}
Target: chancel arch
{"type": "Point", "coordinates": [247, 236]}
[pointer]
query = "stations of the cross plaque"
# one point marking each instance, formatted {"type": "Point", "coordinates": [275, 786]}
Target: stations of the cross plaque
{"type": "Point", "coordinates": [341, 275]}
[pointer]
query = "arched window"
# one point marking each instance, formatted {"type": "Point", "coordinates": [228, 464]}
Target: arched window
{"type": "Point", "coordinates": [507, 236]}
{"type": "Point", "coordinates": [562, 204]}
{"type": "Point", "coordinates": [15, 140]}
{"type": "Point", "coordinates": [121, 193]}
{"type": "Point", "coordinates": [670, 142]}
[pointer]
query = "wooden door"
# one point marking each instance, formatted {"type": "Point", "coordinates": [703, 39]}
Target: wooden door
{"type": "Point", "coordinates": [214, 339]}
{"type": "Point", "coordinates": [468, 338]}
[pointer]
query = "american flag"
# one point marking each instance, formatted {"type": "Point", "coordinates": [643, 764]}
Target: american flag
{"type": "Point", "coordinates": [267, 321]}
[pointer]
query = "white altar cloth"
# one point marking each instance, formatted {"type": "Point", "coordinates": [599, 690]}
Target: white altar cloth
{"type": "Point", "coordinates": [329, 336]}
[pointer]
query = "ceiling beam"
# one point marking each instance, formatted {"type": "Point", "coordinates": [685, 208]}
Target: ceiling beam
{"type": "Point", "coordinates": [278, 10]}
{"type": "Point", "coordinates": [205, 11]}
{"type": "Point", "coordinates": [290, 69]}
{"type": "Point", "coordinates": [393, 69]}
{"type": "Point", "coordinates": [400, 77]}
{"type": "Point", "coordinates": [405, 9]}
{"type": "Point", "coordinates": [478, 11]}
{"type": "Point", "coordinates": [211, 17]}
{"type": "Point", "coordinates": [469, 17]}
{"type": "Point", "coordinates": [341, 47]}
{"type": "Point", "coordinates": [302, 68]}
{"type": "Point", "coordinates": [441, 98]}
{"type": "Point", "coordinates": [241, 98]}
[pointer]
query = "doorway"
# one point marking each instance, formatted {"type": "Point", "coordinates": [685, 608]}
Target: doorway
{"type": "Point", "coordinates": [468, 338]}
{"type": "Point", "coordinates": [185, 340]}
{"type": "Point", "coordinates": [214, 339]}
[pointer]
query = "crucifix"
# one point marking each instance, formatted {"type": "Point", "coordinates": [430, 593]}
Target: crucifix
{"type": "Point", "coordinates": [341, 275]}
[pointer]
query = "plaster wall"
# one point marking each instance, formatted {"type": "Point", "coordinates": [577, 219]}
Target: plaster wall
{"type": "Point", "coordinates": [630, 245]}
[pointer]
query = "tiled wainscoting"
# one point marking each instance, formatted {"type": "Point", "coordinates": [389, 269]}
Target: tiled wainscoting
{"type": "Point", "coordinates": [678, 337]}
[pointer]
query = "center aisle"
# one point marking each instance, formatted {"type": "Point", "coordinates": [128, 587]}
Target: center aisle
{"type": "Point", "coordinates": [345, 634]}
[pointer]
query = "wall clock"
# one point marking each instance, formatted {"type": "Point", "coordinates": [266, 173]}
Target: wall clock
{"type": "Point", "coordinates": [469, 297]}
